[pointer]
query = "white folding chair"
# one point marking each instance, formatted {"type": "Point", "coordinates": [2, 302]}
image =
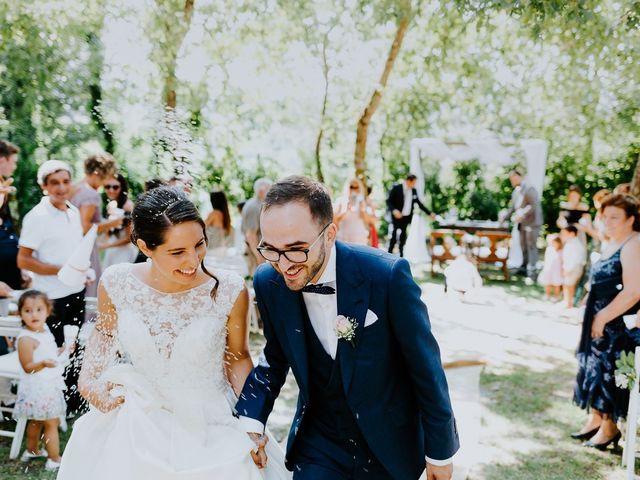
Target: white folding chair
{"type": "Point", "coordinates": [10, 369]}
{"type": "Point", "coordinates": [629, 452]}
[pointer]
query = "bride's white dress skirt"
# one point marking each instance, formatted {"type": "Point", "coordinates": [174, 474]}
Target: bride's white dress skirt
{"type": "Point", "coordinates": [175, 435]}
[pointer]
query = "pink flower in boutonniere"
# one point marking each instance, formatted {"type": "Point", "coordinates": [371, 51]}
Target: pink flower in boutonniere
{"type": "Point", "coordinates": [346, 329]}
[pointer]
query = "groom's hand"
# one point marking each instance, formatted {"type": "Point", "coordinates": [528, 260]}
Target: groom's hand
{"type": "Point", "coordinates": [259, 457]}
{"type": "Point", "coordinates": [259, 454]}
{"type": "Point", "coordinates": [439, 473]}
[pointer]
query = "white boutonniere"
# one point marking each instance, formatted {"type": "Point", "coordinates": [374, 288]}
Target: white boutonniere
{"type": "Point", "coordinates": [346, 329]}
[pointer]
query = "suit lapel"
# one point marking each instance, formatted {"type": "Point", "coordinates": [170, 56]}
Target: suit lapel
{"type": "Point", "coordinates": [290, 306]}
{"type": "Point", "coordinates": [353, 301]}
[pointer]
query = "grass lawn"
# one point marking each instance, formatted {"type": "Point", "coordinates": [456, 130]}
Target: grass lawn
{"type": "Point", "coordinates": [537, 406]}
{"type": "Point", "coordinates": [17, 470]}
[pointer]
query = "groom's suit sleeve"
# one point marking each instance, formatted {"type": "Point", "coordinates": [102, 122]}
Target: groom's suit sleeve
{"type": "Point", "coordinates": [410, 323]}
{"type": "Point", "coordinates": [263, 384]}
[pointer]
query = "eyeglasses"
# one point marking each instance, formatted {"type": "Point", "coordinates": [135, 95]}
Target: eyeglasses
{"type": "Point", "coordinates": [295, 255]}
{"type": "Point", "coordinates": [111, 187]}
{"type": "Point", "coordinates": [354, 187]}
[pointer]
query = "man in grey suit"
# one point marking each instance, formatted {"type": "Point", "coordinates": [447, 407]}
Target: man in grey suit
{"type": "Point", "coordinates": [525, 211]}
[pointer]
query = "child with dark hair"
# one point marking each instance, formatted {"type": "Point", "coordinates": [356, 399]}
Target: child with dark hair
{"type": "Point", "coordinates": [40, 392]}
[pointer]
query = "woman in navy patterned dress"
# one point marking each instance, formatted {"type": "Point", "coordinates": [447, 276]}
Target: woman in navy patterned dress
{"type": "Point", "coordinates": [615, 292]}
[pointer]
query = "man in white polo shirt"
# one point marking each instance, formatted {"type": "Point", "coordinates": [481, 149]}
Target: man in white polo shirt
{"type": "Point", "coordinates": [51, 232]}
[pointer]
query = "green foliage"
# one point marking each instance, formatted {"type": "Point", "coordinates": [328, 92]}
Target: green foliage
{"type": "Point", "coordinates": [468, 193]}
{"type": "Point", "coordinates": [625, 373]}
{"type": "Point", "coordinates": [236, 182]}
{"type": "Point", "coordinates": [590, 176]}
{"type": "Point", "coordinates": [43, 80]}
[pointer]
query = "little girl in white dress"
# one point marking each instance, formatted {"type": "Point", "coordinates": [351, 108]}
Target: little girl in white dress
{"type": "Point", "coordinates": [40, 391]}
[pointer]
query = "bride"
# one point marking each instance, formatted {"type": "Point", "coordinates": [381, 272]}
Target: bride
{"type": "Point", "coordinates": [165, 363]}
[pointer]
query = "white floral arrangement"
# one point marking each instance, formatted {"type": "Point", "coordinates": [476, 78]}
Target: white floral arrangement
{"type": "Point", "coordinates": [625, 373]}
{"type": "Point", "coordinates": [346, 329]}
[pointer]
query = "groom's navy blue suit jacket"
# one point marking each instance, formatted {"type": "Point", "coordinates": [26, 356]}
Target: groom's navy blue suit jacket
{"type": "Point", "coordinates": [393, 377]}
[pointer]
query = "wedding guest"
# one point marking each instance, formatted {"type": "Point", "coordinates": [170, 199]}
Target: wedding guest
{"type": "Point", "coordinates": [595, 228]}
{"type": "Point", "coordinates": [574, 258]}
{"type": "Point", "coordinates": [10, 275]}
{"type": "Point", "coordinates": [353, 214]}
{"type": "Point", "coordinates": [220, 232]}
{"type": "Point", "coordinates": [117, 241]}
{"type": "Point", "coordinates": [9, 271]}
{"type": "Point", "coordinates": [623, 188]}
{"type": "Point", "coordinates": [525, 211]}
{"type": "Point", "coordinates": [5, 342]}
{"type": "Point", "coordinates": [400, 202]}
{"type": "Point", "coordinates": [153, 183]}
{"type": "Point", "coordinates": [574, 212]}
{"type": "Point", "coordinates": [182, 182]}
{"type": "Point", "coordinates": [251, 223]}
{"type": "Point", "coordinates": [40, 397]}
{"type": "Point", "coordinates": [550, 276]}
{"type": "Point", "coordinates": [51, 232]}
{"type": "Point", "coordinates": [85, 197]}
{"type": "Point", "coordinates": [615, 292]}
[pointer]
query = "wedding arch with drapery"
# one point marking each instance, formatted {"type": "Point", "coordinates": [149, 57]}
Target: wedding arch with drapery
{"type": "Point", "coordinates": [489, 151]}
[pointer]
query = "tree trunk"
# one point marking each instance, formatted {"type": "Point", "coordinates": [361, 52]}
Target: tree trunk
{"type": "Point", "coordinates": [374, 102]}
{"type": "Point", "coordinates": [325, 73]}
{"type": "Point", "coordinates": [96, 64]}
{"type": "Point", "coordinates": [635, 182]}
{"type": "Point", "coordinates": [176, 30]}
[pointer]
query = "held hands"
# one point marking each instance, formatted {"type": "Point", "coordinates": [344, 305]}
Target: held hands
{"type": "Point", "coordinates": [444, 472]}
{"type": "Point", "coordinates": [258, 454]}
{"type": "Point", "coordinates": [397, 214]}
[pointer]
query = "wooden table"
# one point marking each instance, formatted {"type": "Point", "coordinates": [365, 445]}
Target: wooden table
{"type": "Point", "coordinates": [494, 233]}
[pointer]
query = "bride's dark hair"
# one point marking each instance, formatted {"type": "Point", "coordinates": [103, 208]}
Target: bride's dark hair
{"type": "Point", "coordinates": [158, 210]}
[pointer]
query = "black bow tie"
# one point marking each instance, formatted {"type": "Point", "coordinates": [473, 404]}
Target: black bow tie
{"type": "Point", "coordinates": [320, 289]}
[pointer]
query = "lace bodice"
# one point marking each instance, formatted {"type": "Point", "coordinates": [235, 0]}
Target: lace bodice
{"type": "Point", "coordinates": [176, 340]}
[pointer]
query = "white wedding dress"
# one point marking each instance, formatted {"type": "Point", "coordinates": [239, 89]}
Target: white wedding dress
{"type": "Point", "coordinates": [177, 419]}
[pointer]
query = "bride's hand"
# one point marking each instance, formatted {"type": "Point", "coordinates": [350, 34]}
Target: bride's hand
{"type": "Point", "coordinates": [109, 400]}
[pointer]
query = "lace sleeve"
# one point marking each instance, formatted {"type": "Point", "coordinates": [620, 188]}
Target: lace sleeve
{"type": "Point", "coordinates": [99, 354]}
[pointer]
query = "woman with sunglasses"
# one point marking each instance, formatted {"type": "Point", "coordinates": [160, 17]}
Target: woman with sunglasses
{"type": "Point", "coordinates": [85, 197]}
{"type": "Point", "coordinates": [117, 241]}
{"type": "Point", "coordinates": [354, 214]}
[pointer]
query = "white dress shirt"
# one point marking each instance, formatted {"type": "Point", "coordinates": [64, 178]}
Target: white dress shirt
{"type": "Point", "coordinates": [53, 235]}
{"type": "Point", "coordinates": [323, 309]}
{"type": "Point", "coordinates": [408, 200]}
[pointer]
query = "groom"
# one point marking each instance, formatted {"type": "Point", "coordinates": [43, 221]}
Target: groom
{"type": "Point", "coordinates": [349, 321]}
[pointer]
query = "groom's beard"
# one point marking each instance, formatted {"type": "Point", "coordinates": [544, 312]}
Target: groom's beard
{"type": "Point", "coordinates": [309, 272]}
